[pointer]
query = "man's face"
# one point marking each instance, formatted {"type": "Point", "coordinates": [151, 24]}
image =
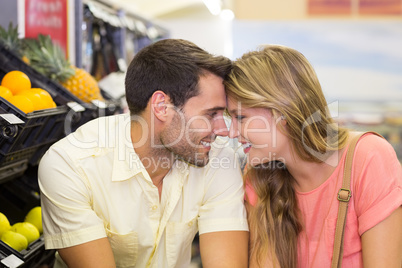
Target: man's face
{"type": "Point", "coordinates": [194, 127]}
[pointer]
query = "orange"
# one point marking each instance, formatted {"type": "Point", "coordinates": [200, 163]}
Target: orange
{"type": "Point", "coordinates": [46, 97]}
{"type": "Point", "coordinates": [16, 81]}
{"type": "Point", "coordinates": [5, 93]}
{"type": "Point", "coordinates": [53, 105]}
{"type": "Point", "coordinates": [23, 103]}
{"type": "Point", "coordinates": [37, 99]}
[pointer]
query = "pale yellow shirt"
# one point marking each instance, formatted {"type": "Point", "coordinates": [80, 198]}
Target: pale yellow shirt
{"type": "Point", "coordinates": [93, 185]}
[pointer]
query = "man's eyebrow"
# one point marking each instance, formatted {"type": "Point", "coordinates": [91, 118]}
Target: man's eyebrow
{"type": "Point", "coordinates": [214, 109]}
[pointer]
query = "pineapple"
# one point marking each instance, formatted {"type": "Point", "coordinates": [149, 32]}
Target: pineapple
{"type": "Point", "coordinates": [48, 59]}
{"type": "Point", "coordinates": [9, 37]}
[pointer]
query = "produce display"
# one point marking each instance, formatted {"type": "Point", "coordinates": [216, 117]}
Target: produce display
{"type": "Point", "coordinates": [21, 234]}
{"type": "Point", "coordinates": [15, 240]}
{"type": "Point", "coordinates": [4, 224]}
{"type": "Point", "coordinates": [47, 58]}
{"type": "Point", "coordinates": [43, 97]}
{"type": "Point", "coordinates": [27, 229]}
{"type": "Point", "coordinates": [34, 217]}
{"type": "Point", "coordinates": [16, 88]}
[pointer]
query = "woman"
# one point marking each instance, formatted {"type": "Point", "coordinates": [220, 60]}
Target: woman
{"type": "Point", "coordinates": [296, 157]}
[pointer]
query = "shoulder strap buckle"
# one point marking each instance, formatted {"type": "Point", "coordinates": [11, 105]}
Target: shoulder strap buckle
{"type": "Point", "coordinates": [344, 195]}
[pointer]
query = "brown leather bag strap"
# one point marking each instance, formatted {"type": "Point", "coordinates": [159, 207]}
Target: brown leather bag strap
{"type": "Point", "coordinates": [344, 196]}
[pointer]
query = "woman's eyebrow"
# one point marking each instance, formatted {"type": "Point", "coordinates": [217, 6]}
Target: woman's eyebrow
{"type": "Point", "coordinates": [233, 111]}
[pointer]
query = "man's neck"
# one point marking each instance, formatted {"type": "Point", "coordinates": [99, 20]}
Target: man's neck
{"type": "Point", "coordinates": [156, 164]}
{"type": "Point", "coordinates": [156, 159]}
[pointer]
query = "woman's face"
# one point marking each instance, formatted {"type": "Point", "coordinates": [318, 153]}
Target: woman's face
{"type": "Point", "coordinates": [258, 131]}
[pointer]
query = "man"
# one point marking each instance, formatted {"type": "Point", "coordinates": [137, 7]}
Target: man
{"type": "Point", "coordinates": [133, 191]}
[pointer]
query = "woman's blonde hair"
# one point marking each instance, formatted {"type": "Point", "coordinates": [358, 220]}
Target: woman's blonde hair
{"type": "Point", "coordinates": [281, 79]}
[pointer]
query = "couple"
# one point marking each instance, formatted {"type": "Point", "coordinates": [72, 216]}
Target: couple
{"type": "Point", "coordinates": [138, 188]}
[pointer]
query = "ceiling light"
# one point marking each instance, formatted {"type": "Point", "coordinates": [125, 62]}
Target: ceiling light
{"type": "Point", "coordinates": [214, 6]}
{"type": "Point", "coordinates": [227, 14]}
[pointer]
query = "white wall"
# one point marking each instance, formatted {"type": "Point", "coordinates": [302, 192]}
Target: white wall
{"type": "Point", "coordinates": [214, 35]}
{"type": "Point", "coordinates": [354, 60]}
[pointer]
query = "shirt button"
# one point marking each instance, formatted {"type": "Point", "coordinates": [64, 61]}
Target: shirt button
{"type": "Point", "coordinates": [154, 207]}
{"type": "Point", "coordinates": [190, 223]}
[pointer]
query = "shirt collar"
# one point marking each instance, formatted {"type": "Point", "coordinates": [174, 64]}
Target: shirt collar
{"type": "Point", "coordinates": [126, 162]}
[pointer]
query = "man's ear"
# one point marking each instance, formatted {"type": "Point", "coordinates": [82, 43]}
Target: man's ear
{"type": "Point", "coordinates": [159, 104]}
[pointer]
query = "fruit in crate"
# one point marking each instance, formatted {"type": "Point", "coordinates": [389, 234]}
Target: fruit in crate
{"type": "Point", "coordinates": [48, 59]}
{"type": "Point", "coordinates": [83, 86]}
{"type": "Point", "coordinates": [15, 240]}
{"type": "Point", "coordinates": [27, 229]}
{"type": "Point", "coordinates": [4, 224]}
{"type": "Point", "coordinates": [36, 99]}
{"type": "Point", "coordinates": [45, 96]}
{"type": "Point", "coordinates": [40, 98]}
{"type": "Point", "coordinates": [16, 81]}
{"type": "Point", "coordinates": [16, 88]}
{"type": "Point", "coordinates": [34, 216]}
{"type": "Point", "coordinates": [23, 103]}
{"type": "Point", "coordinates": [5, 93]}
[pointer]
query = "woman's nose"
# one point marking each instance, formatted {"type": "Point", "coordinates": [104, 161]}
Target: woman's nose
{"type": "Point", "coordinates": [220, 127]}
{"type": "Point", "coordinates": [233, 130]}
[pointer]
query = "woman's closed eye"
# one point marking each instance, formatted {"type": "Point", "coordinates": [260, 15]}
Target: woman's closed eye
{"type": "Point", "coordinates": [239, 118]}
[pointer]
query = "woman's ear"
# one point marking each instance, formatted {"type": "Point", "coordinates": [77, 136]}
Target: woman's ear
{"type": "Point", "coordinates": [283, 120]}
{"type": "Point", "coordinates": [159, 104]}
{"type": "Point", "coordinates": [279, 118]}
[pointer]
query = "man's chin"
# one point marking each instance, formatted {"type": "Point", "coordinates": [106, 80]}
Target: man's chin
{"type": "Point", "coordinates": [198, 162]}
{"type": "Point", "coordinates": [201, 163]}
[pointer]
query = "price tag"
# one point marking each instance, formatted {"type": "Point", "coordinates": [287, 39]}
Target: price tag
{"type": "Point", "coordinates": [75, 106]}
{"type": "Point", "coordinates": [99, 104]}
{"type": "Point", "coordinates": [12, 261]}
{"type": "Point", "coordinates": [11, 119]}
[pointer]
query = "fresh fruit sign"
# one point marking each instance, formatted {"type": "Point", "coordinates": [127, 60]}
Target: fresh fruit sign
{"type": "Point", "coordinates": [47, 17]}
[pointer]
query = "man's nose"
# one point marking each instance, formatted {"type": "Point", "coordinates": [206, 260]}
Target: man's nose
{"type": "Point", "coordinates": [220, 127]}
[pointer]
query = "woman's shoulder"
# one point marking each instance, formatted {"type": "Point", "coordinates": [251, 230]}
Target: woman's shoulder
{"type": "Point", "coordinates": [371, 144]}
{"type": "Point", "coordinates": [376, 154]}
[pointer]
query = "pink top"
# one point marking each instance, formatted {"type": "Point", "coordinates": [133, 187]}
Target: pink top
{"type": "Point", "coordinates": [376, 186]}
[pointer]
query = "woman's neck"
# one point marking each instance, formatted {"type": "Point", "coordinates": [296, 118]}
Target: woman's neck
{"type": "Point", "coordinates": [309, 175]}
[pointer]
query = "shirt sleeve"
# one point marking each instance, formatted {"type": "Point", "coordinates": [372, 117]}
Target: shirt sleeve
{"type": "Point", "coordinates": [378, 181]}
{"type": "Point", "coordinates": [223, 208]}
{"type": "Point", "coordinates": [67, 216]}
